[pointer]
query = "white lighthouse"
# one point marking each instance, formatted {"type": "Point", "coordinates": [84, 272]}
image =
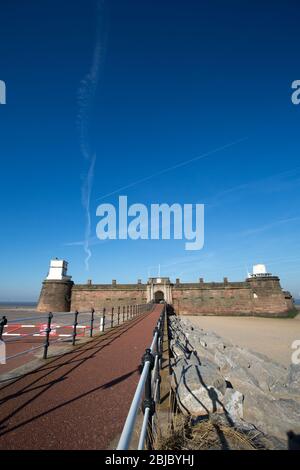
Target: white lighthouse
{"type": "Point", "coordinates": [58, 270]}
{"type": "Point", "coordinates": [259, 270]}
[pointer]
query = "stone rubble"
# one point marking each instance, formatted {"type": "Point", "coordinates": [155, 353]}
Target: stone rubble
{"type": "Point", "coordinates": [211, 375]}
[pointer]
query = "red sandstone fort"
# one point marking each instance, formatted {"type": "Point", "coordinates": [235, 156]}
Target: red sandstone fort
{"type": "Point", "coordinates": [260, 294]}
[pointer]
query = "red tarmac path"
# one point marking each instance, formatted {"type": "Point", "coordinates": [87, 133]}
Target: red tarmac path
{"type": "Point", "coordinates": [79, 400]}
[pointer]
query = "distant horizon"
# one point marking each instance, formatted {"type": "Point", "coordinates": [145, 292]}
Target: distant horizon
{"type": "Point", "coordinates": [18, 303]}
{"type": "Point", "coordinates": [35, 302]}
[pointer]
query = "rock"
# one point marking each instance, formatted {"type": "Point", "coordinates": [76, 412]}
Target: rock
{"type": "Point", "coordinates": [240, 378]}
{"type": "Point", "coordinates": [199, 387]}
{"type": "Point", "coordinates": [233, 404]}
{"type": "Point", "coordinates": [179, 349]}
{"type": "Point", "coordinates": [211, 341]}
{"type": "Point", "coordinates": [274, 417]}
{"type": "Point", "coordinates": [293, 378]}
{"type": "Point", "coordinates": [259, 369]}
{"type": "Point", "coordinates": [182, 362]}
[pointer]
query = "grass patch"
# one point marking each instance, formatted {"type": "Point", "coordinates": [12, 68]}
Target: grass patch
{"type": "Point", "coordinates": [208, 434]}
{"type": "Point", "coordinates": [293, 313]}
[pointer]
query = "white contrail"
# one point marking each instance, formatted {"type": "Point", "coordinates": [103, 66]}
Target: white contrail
{"type": "Point", "coordinates": [86, 196]}
{"type": "Point", "coordinates": [86, 94]}
{"type": "Point", "coordinates": [173, 167]}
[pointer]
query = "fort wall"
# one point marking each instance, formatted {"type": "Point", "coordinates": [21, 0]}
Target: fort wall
{"type": "Point", "coordinates": [252, 297]}
{"type": "Point", "coordinates": [257, 295]}
{"type": "Point", "coordinates": [99, 296]}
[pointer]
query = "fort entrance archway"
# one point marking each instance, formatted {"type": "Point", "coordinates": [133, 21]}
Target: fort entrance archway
{"type": "Point", "coordinates": [159, 296]}
{"type": "Point", "coordinates": [159, 288]}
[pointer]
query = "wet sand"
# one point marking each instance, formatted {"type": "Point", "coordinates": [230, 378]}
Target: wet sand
{"type": "Point", "coordinates": [270, 336]}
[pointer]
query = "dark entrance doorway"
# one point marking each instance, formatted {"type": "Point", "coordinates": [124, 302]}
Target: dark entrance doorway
{"type": "Point", "coordinates": [159, 297]}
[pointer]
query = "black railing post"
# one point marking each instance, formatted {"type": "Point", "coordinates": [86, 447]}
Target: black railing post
{"type": "Point", "coordinates": [48, 330]}
{"type": "Point", "coordinates": [123, 314]}
{"type": "Point", "coordinates": [118, 316]}
{"type": "Point", "coordinates": [3, 322]}
{"type": "Point", "coordinates": [75, 328]}
{"type": "Point", "coordinates": [112, 318]}
{"type": "Point", "coordinates": [127, 312]}
{"type": "Point", "coordinates": [148, 356]}
{"type": "Point", "coordinates": [92, 322]}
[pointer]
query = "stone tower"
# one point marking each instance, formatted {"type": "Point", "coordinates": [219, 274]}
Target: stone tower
{"type": "Point", "coordinates": [56, 289]}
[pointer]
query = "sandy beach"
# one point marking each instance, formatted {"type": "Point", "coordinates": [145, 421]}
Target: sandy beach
{"type": "Point", "coordinates": [270, 336]}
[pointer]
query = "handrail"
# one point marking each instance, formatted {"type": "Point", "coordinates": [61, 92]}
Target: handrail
{"type": "Point", "coordinates": [126, 435]}
{"type": "Point", "coordinates": [148, 387]}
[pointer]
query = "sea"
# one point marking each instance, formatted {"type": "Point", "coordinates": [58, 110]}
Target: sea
{"type": "Point", "coordinates": [18, 304]}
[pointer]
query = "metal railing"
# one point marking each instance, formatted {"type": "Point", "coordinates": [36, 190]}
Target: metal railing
{"type": "Point", "coordinates": [147, 393]}
{"type": "Point", "coordinates": [103, 315]}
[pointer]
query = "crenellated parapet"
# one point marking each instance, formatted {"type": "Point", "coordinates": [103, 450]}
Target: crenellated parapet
{"type": "Point", "coordinates": [260, 294]}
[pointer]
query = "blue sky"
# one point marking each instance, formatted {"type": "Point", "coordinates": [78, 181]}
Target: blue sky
{"type": "Point", "coordinates": [175, 81]}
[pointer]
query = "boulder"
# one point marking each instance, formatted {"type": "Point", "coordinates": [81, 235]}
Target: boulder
{"type": "Point", "coordinates": [199, 386]}
{"type": "Point", "coordinates": [179, 349]}
{"type": "Point", "coordinates": [273, 416]}
{"type": "Point", "coordinates": [212, 341]}
{"type": "Point", "coordinates": [233, 405]}
{"type": "Point", "coordinates": [293, 378]}
{"type": "Point", "coordinates": [254, 367]}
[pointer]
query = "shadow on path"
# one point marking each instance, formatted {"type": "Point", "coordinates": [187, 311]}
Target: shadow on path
{"type": "Point", "coordinates": [74, 359]}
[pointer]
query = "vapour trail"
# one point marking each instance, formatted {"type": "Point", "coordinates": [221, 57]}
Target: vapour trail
{"type": "Point", "coordinates": [86, 95]}
{"type": "Point", "coordinates": [95, 240]}
{"type": "Point", "coordinates": [173, 167]}
{"type": "Point", "coordinates": [86, 196]}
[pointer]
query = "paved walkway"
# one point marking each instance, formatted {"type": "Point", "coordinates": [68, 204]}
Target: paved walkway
{"type": "Point", "coordinates": [80, 400]}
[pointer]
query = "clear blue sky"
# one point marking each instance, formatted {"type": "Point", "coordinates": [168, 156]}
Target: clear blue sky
{"type": "Point", "coordinates": [178, 80]}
